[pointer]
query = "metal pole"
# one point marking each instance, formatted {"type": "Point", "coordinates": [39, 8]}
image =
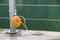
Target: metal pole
{"type": "Point", "coordinates": [12, 12]}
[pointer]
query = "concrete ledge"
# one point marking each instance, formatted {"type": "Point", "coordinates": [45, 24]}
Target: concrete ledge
{"type": "Point", "coordinates": [29, 35]}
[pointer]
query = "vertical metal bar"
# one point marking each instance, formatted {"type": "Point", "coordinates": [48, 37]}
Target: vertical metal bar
{"type": "Point", "coordinates": [12, 12]}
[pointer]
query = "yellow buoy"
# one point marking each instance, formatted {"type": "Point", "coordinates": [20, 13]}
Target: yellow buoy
{"type": "Point", "coordinates": [16, 21]}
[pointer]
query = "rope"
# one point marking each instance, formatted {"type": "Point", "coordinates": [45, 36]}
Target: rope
{"type": "Point", "coordinates": [28, 5]}
{"type": "Point", "coordinates": [25, 26]}
{"type": "Point", "coordinates": [42, 19]}
{"type": "Point", "coordinates": [24, 20]}
{"type": "Point", "coordinates": [34, 19]}
{"type": "Point", "coordinates": [4, 18]}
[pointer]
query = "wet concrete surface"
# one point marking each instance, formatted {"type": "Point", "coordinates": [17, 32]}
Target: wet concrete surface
{"type": "Point", "coordinates": [29, 35]}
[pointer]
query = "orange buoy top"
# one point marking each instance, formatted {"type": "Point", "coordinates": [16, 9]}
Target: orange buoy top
{"type": "Point", "coordinates": [16, 21]}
